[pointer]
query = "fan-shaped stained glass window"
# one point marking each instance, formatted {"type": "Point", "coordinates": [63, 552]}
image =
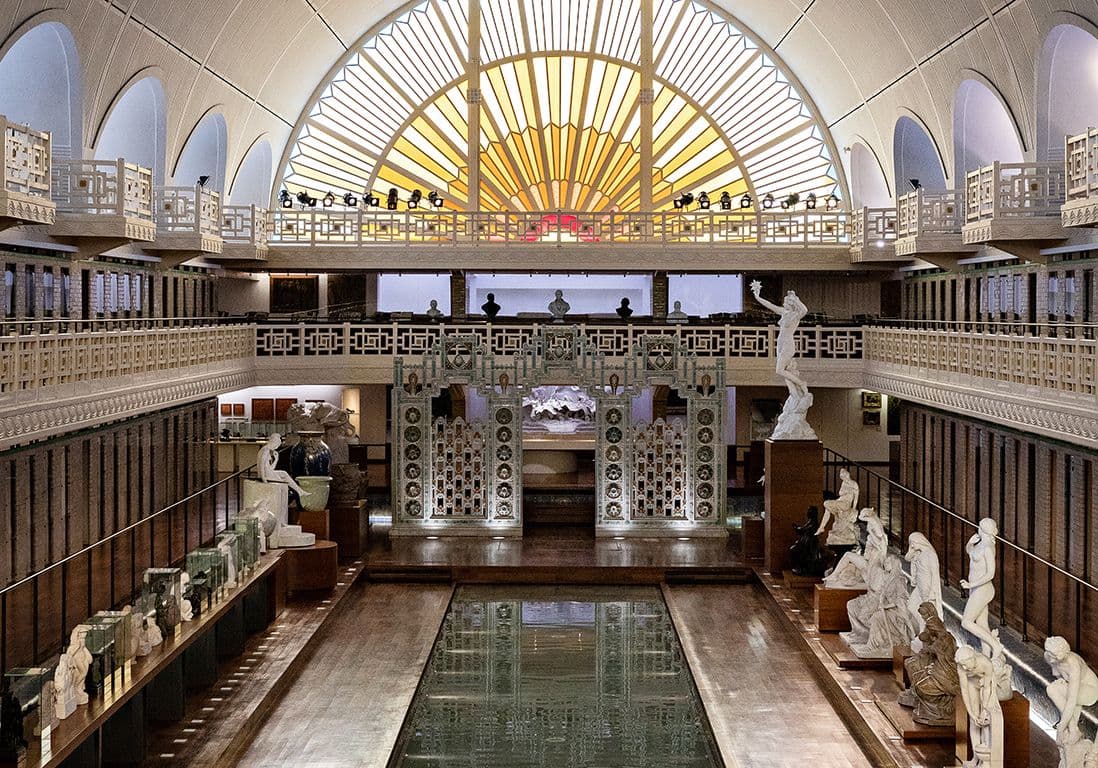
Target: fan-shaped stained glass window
{"type": "Point", "coordinates": [554, 111]}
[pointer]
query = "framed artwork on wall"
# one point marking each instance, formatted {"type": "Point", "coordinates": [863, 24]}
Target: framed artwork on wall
{"type": "Point", "coordinates": [238, 409]}
{"type": "Point", "coordinates": [871, 418]}
{"type": "Point", "coordinates": [226, 409]}
{"type": "Point", "coordinates": [282, 408]}
{"type": "Point", "coordinates": [263, 409]}
{"type": "Point", "coordinates": [871, 400]}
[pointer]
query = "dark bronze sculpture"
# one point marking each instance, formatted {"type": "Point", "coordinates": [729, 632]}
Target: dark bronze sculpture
{"type": "Point", "coordinates": [808, 555]}
{"type": "Point", "coordinates": [933, 673]}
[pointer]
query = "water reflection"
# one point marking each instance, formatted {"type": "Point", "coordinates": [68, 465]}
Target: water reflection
{"type": "Point", "coordinates": [551, 677]}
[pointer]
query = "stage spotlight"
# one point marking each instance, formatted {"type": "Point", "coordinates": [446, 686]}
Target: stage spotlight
{"type": "Point", "coordinates": [305, 200]}
{"type": "Point", "coordinates": [435, 199]}
{"type": "Point", "coordinates": [916, 185]}
{"type": "Point", "coordinates": [371, 200]}
{"type": "Point", "coordinates": [392, 200]}
{"type": "Point", "coordinates": [725, 201]}
{"type": "Point", "coordinates": [285, 199]}
{"type": "Point", "coordinates": [329, 200]}
{"type": "Point", "coordinates": [768, 201]}
{"type": "Point", "coordinates": [790, 201]}
{"type": "Point", "coordinates": [832, 202]}
{"type": "Point", "coordinates": [350, 200]}
{"type": "Point", "coordinates": [746, 201]}
{"type": "Point", "coordinates": [684, 200]}
{"type": "Point", "coordinates": [703, 201]}
{"type": "Point", "coordinates": [810, 201]}
{"type": "Point", "coordinates": [413, 201]}
{"type": "Point", "coordinates": [202, 180]}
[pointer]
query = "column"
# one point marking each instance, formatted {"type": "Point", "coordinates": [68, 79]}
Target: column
{"type": "Point", "coordinates": [457, 295]}
{"type": "Point", "coordinates": [472, 99]}
{"type": "Point", "coordinates": [659, 295]}
{"type": "Point", "coordinates": [646, 97]}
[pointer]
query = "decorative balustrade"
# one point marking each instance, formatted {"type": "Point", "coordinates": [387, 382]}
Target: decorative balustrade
{"type": "Point", "coordinates": [103, 187]}
{"type": "Point", "coordinates": [1081, 171]}
{"type": "Point", "coordinates": [930, 213]}
{"type": "Point", "coordinates": [871, 227]}
{"type": "Point", "coordinates": [26, 166]}
{"type": "Point", "coordinates": [188, 210]}
{"type": "Point", "coordinates": [1014, 190]}
{"type": "Point", "coordinates": [358, 227]}
{"type": "Point", "coordinates": [244, 225]}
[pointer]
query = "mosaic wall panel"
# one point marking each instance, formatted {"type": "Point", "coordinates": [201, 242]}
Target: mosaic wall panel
{"type": "Point", "coordinates": [614, 460]}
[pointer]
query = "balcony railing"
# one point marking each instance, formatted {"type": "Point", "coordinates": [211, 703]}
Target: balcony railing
{"type": "Point", "coordinates": [1081, 165]}
{"type": "Point", "coordinates": [804, 229]}
{"type": "Point", "coordinates": [930, 213]}
{"type": "Point", "coordinates": [244, 225]}
{"type": "Point", "coordinates": [873, 227]}
{"type": "Point", "coordinates": [188, 210]}
{"type": "Point", "coordinates": [26, 165]}
{"type": "Point", "coordinates": [1014, 191]}
{"type": "Point", "coordinates": [103, 187]}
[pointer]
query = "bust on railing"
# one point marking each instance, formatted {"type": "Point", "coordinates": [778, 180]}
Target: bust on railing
{"type": "Point", "coordinates": [102, 187]}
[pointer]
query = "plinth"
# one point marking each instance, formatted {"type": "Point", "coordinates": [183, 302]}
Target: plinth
{"type": "Point", "coordinates": [905, 725]}
{"type": "Point", "coordinates": [845, 658]}
{"type": "Point", "coordinates": [312, 568]}
{"type": "Point", "coordinates": [794, 482]}
{"type": "Point", "coordinates": [1015, 731]}
{"type": "Point", "coordinates": [315, 523]}
{"type": "Point", "coordinates": [831, 615]}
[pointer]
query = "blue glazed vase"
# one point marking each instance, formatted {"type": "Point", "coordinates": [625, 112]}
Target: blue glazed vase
{"type": "Point", "coordinates": [310, 456]}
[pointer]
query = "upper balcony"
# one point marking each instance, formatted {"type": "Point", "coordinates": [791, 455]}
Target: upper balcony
{"type": "Point", "coordinates": [188, 223]}
{"type": "Point", "coordinates": [24, 176]}
{"type": "Point", "coordinates": [702, 239]}
{"type": "Point", "coordinates": [1081, 168]}
{"type": "Point", "coordinates": [929, 226]}
{"type": "Point", "coordinates": [1015, 207]}
{"type": "Point", "coordinates": [244, 230]}
{"type": "Point", "coordinates": [102, 204]}
{"type": "Point", "coordinates": [873, 235]}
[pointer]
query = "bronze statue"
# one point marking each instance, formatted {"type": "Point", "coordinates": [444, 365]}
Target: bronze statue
{"type": "Point", "coordinates": [809, 557]}
{"type": "Point", "coordinates": [933, 673]}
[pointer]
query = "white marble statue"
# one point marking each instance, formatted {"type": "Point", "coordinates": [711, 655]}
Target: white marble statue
{"type": "Point", "coordinates": [926, 581]}
{"type": "Point", "coordinates": [268, 459]}
{"type": "Point", "coordinates": [842, 513]}
{"type": "Point", "coordinates": [985, 715]}
{"type": "Point", "coordinates": [793, 420]}
{"type": "Point", "coordinates": [230, 574]}
{"type": "Point", "coordinates": [433, 311]}
{"type": "Point", "coordinates": [850, 571]}
{"type": "Point", "coordinates": [151, 635]}
{"type": "Point", "coordinates": [1075, 687]}
{"type": "Point", "coordinates": [676, 315]}
{"type": "Point", "coordinates": [137, 629]}
{"type": "Point", "coordinates": [333, 421]}
{"type": "Point", "coordinates": [186, 610]}
{"type": "Point", "coordinates": [558, 307]}
{"type": "Point", "coordinates": [66, 688]}
{"type": "Point", "coordinates": [880, 618]}
{"type": "Point", "coordinates": [81, 659]}
{"type": "Point", "coordinates": [981, 591]}
{"type": "Point", "coordinates": [559, 409]}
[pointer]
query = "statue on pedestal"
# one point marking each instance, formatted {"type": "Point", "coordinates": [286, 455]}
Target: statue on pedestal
{"type": "Point", "coordinates": [80, 659]}
{"type": "Point", "coordinates": [558, 307]}
{"type": "Point", "coordinates": [933, 672]}
{"type": "Point", "coordinates": [925, 578]}
{"type": "Point", "coordinates": [67, 687]}
{"type": "Point", "coordinates": [879, 619]}
{"type": "Point", "coordinates": [676, 315]}
{"type": "Point", "coordinates": [985, 715]}
{"type": "Point", "coordinates": [433, 311]}
{"type": "Point", "coordinates": [850, 571]}
{"type": "Point", "coordinates": [808, 556]}
{"type": "Point", "coordinates": [981, 591]}
{"type": "Point", "coordinates": [1075, 687]}
{"type": "Point", "coordinates": [268, 459]}
{"type": "Point", "coordinates": [842, 513]}
{"type": "Point", "coordinates": [793, 422]}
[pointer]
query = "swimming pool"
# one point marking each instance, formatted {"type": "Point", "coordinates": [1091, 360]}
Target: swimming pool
{"type": "Point", "coordinates": [556, 677]}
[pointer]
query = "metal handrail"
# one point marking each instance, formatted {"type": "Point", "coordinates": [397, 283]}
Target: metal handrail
{"type": "Point", "coordinates": [973, 326]}
{"type": "Point", "coordinates": [841, 459]}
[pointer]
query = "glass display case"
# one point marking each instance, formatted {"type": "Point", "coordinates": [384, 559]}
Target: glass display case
{"type": "Point", "coordinates": [165, 586]}
{"type": "Point", "coordinates": [211, 563]}
{"type": "Point", "coordinates": [120, 623]}
{"type": "Point", "coordinates": [32, 688]}
{"type": "Point", "coordinates": [247, 528]}
{"type": "Point", "coordinates": [99, 640]}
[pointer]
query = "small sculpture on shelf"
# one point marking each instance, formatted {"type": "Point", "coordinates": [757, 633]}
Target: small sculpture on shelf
{"type": "Point", "coordinates": [985, 715]}
{"type": "Point", "coordinates": [268, 459]}
{"type": "Point", "coordinates": [80, 659]}
{"type": "Point", "coordinates": [849, 573]}
{"type": "Point", "coordinates": [226, 548]}
{"type": "Point", "coordinates": [808, 556]}
{"type": "Point", "coordinates": [879, 619]}
{"type": "Point", "coordinates": [842, 513]}
{"type": "Point", "coordinates": [150, 637]}
{"type": "Point", "coordinates": [47, 708]}
{"type": "Point", "coordinates": [624, 311]}
{"type": "Point", "coordinates": [185, 612]}
{"type": "Point", "coordinates": [1075, 687]}
{"type": "Point", "coordinates": [933, 672]}
{"type": "Point", "coordinates": [199, 593]}
{"type": "Point", "coordinates": [981, 591]}
{"type": "Point", "coordinates": [793, 422]}
{"type": "Point", "coordinates": [676, 315]}
{"type": "Point", "coordinates": [67, 688]}
{"type": "Point", "coordinates": [925, 578]}
{"type": "Point", "coordinates": [490, 308]}
{"type": "Point", "coordinates": [433, 312]}
{"type": "Point", "coordinates": [13, 746]}
{"type": "Point", "coordinates": [137, 629]}
{"type": "Point", "coordinates": [558, 307]}
{"type": "Point", "coordinates": [167, 610]}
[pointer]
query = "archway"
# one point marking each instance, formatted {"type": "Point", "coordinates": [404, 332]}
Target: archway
{"type": "Point", "coordinates": [204, 154]}
{"type": "Point", "coordinates": [1067, 88]}
{"type": "Point", "coordinates": [252, 185]}
{"type": "Point", "coordinates": [915, 157]}
{"type": "Point", "coordinates": [983, 130]}
{"type": "Point", "coordinates": [40, 85]}
{"type": "Point", "coordinates": [868, 184]}
{"type": "Point", "coordinates": [135, 127]}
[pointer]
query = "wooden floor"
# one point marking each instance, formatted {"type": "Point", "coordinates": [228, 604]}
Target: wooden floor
{"type": "Point", "coordinates": [764, 704]}
{"type": "Point", "coordinates": [345, 707]}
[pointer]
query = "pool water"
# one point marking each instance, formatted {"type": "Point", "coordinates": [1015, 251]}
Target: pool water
{"type": "Point", "coordinates": [556, 677]}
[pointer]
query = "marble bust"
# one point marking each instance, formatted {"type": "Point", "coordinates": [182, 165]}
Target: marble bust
{"type": "Point", "coordinates": [933, 672]}
{"type": "Point", "coordinates": [676, 315]}
{"type": "Point", "coordinates": [981, 591]}
{"type": "Point", "coordinates": [1075, 687]}
{"type": "Point", "coordinates": [268, 459]}
{"type": "Point", "coordinates": [842, 514]}
{"type": "Point", "coordinates": [433, 311]}
{"type": "Point", "coordinates": [985, 715]}
{"type": "Point", "coordinates": [558, 307]}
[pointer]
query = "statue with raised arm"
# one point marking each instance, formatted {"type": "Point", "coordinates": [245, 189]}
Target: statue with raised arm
{"type": "Point", "coordinates": [793, 422]}
{"type": "Point", "coordinates": [1075, 687]}
{"type": "Point", "coordinates": [981, 591]}
{"type": "Point", "coordinates": [268, 458]}
{"type": "Point", "coordinates": [842, 513]}
{"type": "Point", "coordinates": [985, 715]}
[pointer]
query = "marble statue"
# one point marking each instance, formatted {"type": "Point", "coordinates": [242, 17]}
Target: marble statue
{"type": "Point", "coordinates": [152, 635]}
{"type": "Point", "coordinates": [624, 311]}
{"type": "Point", "coordinates": [185, 612]}
{"type": "Point", "coordinates": [842, 513]}
{"type": "Point", "coordinates": [793, 421]}
{"type": "Point", "coordinates": [230, 571]}
{"type": "Point", "coordinates": [933, 672]}
{"type": "Point", "coordinates": [67, 688]}
{"type": "Point", "coordinates": [137, 628]}
{"type": "Point", "coordinates": [333, 421]}
{"type": "Point", "coordinates": [47, 708]}
{"type": "Point", "coordinates": [268, 459]}
{"type": "Point", "coordinates": [1075, 687]}
{"type": "Point", "coordinates": [676, 315]}
{"type": "Point", "coordinates": [80, 658]}
{"type": "Point", "coordinates": [433, 311]}
{"type": "Point", "coordinates": [807, 555]}
{"type": "Point", "coordinates": [925, 578]}
{"type": "Point", "coordinates": [985, 715]}
{"type": "Point", "coordinates": [559, 409]}
{"type": "Point", "coordinates": [981, 591]}
{"type": "Point", "coordinates": [13, 746]}
{"type": "Point", "coordinates": [879, 619]}
{"type": "Point", "coordinates": [490, 308]}
{"type": "Point", "coordinates": [849, 573]}
{"type": "Point", "coordinates": [558, 307]}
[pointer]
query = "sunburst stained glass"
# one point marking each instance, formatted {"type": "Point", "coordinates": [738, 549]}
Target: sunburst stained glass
{"type": "Point", "coordinates": [556, 97]}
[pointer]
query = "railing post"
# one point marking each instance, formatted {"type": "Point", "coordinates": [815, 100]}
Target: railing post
{"type": "Point", "coordinates": [6, 153]}
{"type": "Point", "coordinates": [120, 187]}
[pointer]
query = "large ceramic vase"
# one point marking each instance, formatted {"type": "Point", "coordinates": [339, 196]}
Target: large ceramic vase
{"type": "Point", "coordinates": [310, 456]}
{"type": "Point", "coordinates": [316, 490]}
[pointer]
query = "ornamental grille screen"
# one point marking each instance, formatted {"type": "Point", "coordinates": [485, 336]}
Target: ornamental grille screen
{"type": "Point", "coordinates": [459, 477]}
{"type": "Point", "coordinates": [660, 482]}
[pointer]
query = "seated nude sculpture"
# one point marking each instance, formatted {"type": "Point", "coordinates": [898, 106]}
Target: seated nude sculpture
{"type": "Point", "coordinates": [849, 573]}
{"type": "Point", "coordinates": [268, 459]}
{"type": "Point", "coordinates": [842, 514]}
{"type": "Point", "coordinates": [1075, 687]}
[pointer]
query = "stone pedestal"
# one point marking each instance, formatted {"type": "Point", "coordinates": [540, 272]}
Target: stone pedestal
{"type": "Point", "coordinates": [905, 725]}
{"type": "Point", "coordinates": [315, 523]}
{"type": "Point", "coordinates": [1015, 732]}
{"type": "Point", "coordinates": [275, 495]}
{"type": "Point", "coordinates": [794, 482]}
{"type": "Point", "coordinates": [350, 529]}
{"type": "Point", "coordinates": [754, 538]}
{"type": "Point", "coordinates": [312, 568]}
{"type": "Point", "coordinates": [831, 615]}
